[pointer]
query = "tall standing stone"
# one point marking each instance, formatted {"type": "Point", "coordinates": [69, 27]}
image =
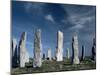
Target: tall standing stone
{"type": "Point", "coordinates": [59, 54]}
{"type": "Point", "coordinates": [37, 49]}
{"type": "Point", "coordinates": [68, 55]}
{"type": "Point", "coordinates": [49, 54]}
{"type": "Point", "coordinates": [14, 53]}
{"type": "Point", "coordinates": [83, 53]}
{"type": "Point", "coordinates": [22, 50]}
{"type": "Point", "coordinates": [43, 56]}
{"type": "Point", "coordinates": [75, 52]}
{"type": "Point", "coordinates": [14, 45]}
{"type": "Point", "coordinates": [94, 50]}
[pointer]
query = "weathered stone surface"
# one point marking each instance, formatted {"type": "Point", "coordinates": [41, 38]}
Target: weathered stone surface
{"type": "Point", "coordinates": [68, 55]}
{"type": "Point", "coordinates": [94, 50]}
{"type": "Point", "coordinates": [49, 54]}
{"type": "Point", "coordinates": [14, 45]}
{"type": "Point", "coordinates": [27, 56]}
{"type": "Point", "coordinates": [75, 52]}
{"type": "Point", "coordinates": [59, 50]}
{"type": "Point", "coordinates": [23, 57]}
{"type": "Point", "coordinates": [14, 53]}
{"type": "Point", "coordinates": [83, 53]}
{"type": "Point", "coordinates": [37, 49]}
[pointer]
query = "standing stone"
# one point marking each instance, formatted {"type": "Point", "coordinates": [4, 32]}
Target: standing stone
{"type": "Point", "coordinates": [94, 50]}
{"type": "Point", "coordinates": [37, 49]}
{"type": "Point", "coordinates": [68, 55]}
{"type": "Point", "coordinates": [56, 51]}
{"type": "Point", "coordinates": [27, 57]}
{"type": "Point", "coordinates": [75, 57]}
{"type": "Point", "coordinates": [14, 53]}
{"type": "Point", "coordinates": [43, 56]}
{"type": "Point", "coordinates": [22, 50]}
{"type": "Point", "coordinates": [83, 51]}
{"type": "Point", "coordinates": [59, 54]}
{"type": "Point", "coordinates": [49, 54]}
{"type": "Point", "coordinates": [14, 45]}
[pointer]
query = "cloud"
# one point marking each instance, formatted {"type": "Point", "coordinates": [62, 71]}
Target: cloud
{"type": "Point", "coordinates": [80, 21]}
{"type": "Point", "coordinates": [77, 27]}
{"type": "Point", "coordinates": [29, 7]}
{"type": "Point", "coordinates": [49, 18]}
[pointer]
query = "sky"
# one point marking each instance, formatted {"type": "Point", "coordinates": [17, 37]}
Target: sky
{"type": "Point", "coordinates": [51, 17]}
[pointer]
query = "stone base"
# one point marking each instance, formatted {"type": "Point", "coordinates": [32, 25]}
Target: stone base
{"type": "Point", "coordinates": [76, 61]}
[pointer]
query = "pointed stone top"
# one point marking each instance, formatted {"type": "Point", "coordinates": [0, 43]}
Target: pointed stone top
{"type": "Point", "coordinates": [82, 45]}
{"type": "Point", "coordinates": [38, 30]}
{"type": "Point", "coordinates": [59, 31]}
{"type": "Point", "coordinates": [74, 34]}
{"type": "Point", "coordinates": [23, 36]}
{"type": "Point", "coordinates": [49, 50]}
{"type": "Point", "coordinates": [67, 48]}
{"type": "Point", "coordinates": [23, 33]}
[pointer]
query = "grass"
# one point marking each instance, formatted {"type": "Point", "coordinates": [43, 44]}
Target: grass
{"type": "Point", "coordinates": [53, 66]}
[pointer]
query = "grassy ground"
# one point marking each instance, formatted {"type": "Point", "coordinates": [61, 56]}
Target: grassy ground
{"type": "Point", "coordinates": [53, 66]}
